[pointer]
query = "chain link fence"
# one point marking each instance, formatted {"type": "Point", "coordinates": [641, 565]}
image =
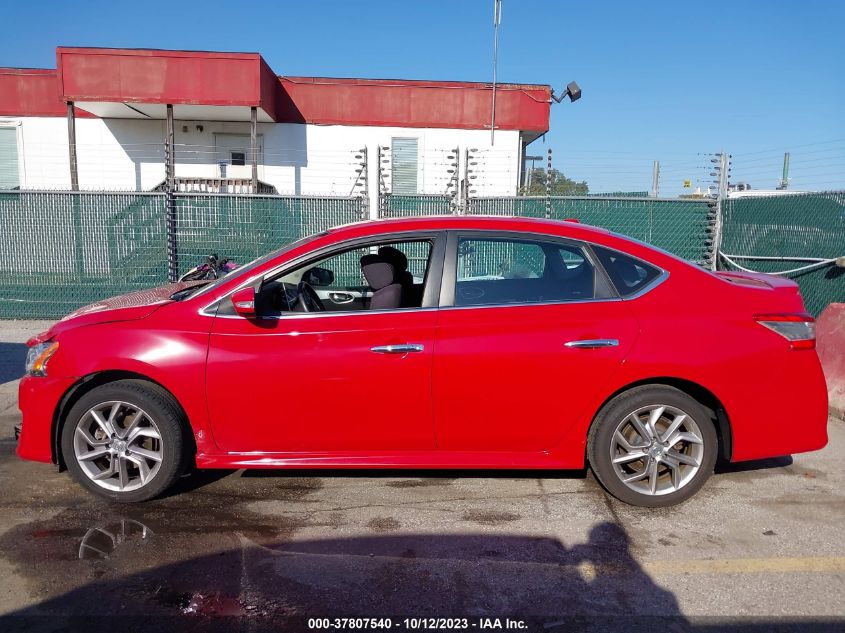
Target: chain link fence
{"type": "Point", "coordinates": [60, 251]}
{"type": "Point", "coordinates": [681, 226]}
{"type": "Point", "coordinates": [803, 233]}
{"type": "Point", "coordinates": [400, 206]}
{"type": "Point", "coordinates": [245, 227]}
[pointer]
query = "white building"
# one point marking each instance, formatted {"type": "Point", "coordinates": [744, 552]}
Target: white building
{"type": "Point", "coordinates": [100, 122]}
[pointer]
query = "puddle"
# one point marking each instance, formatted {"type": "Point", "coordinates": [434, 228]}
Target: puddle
{"type": "Point", "coordinates": [214, 604]}
{"type": "Point", "coordinates": [93, 541]}
{"type": "Point", "coordinates": [99, 543]}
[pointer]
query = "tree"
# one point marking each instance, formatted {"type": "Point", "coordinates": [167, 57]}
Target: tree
{"type": "Point", "coordinates": [561, 185]}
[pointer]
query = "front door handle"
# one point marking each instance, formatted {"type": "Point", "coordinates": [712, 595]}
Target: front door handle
{"type": "Point", "coordinates": [397, 349]}
{"type": "Point", "coordinates": [341, 297]}
{"type": "Point", "coordinates": [593, 343]}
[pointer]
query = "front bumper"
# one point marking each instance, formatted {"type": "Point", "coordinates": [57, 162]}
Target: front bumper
{"type": "Point", "coordinates": [38, 400]}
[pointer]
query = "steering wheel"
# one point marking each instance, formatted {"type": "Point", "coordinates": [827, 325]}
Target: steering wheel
{"type": "Point", "coordinates": [308, 298]}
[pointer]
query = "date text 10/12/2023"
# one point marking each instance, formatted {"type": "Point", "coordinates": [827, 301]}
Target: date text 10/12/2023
{"type": "Point", "coordinates": [417, 624]}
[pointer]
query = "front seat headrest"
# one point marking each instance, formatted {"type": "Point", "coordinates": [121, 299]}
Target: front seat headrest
{"type": "Point", "coordinates": [395, 257]}
{"type": "Point", "coordinates": [378, 272]}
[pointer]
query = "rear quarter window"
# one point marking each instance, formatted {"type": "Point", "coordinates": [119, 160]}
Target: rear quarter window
{"type": "Point", "coordinates": [628, 274]}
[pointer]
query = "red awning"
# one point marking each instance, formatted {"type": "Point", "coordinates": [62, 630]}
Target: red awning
{"type": "Point", "coordinates": [139, 83]}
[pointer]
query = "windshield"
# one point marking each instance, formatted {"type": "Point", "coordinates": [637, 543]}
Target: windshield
{"type": "Point", "coordinates": [242, 271]}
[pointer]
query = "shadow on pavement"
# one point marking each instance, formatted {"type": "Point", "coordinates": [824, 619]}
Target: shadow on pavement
{"type": "Point", "coordinates": [757, 464]}
{"type": "Point", "coordinates": [407, 473]}
{"type": "Point", "coordinates": [272, 584]}
{"type": "Point", "coordinates": [279, 584]}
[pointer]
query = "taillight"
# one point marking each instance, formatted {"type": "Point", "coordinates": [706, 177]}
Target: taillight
{"type": "Point", "coordinates": [798, 329]}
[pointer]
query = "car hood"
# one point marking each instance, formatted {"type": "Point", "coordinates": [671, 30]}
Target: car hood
{"type": "Point", "coordinates": [128, 307]}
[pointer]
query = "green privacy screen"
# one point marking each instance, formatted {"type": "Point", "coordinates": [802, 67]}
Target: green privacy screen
{"type": "Point", "coordinates": [398, 206]}
{"type": "Point", "coordinates": [795, 225]}
{"type": "Point", "coordinates": [60, 251]}
{"type": "Point", "coordinates": [681, 227]}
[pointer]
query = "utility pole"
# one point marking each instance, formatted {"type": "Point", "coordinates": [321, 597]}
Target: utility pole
{"type": "Point", "coordinates": [784, 181]}
{"type": "Point", "coordinates": [71, 144]}
{"type": "Point", "coordinates": [655, 179]}
{"type": "Point", "coordinates": [362, 181]}
{"type": "Point", "coordinates": [170, 197]}
{"type": "Point", "coordinates": [253, 146]}
{"type": "Point", "coordinates": [497, 18]}
{"type": "Point", "coordinates": [721, 171]}
{"type": "Point", "coordinates": [454, 185]}
{"type": "Point", "coordinates": [465, 190]}
{"type": "Point", "coordinates": [381, 162]}
{"type": "Point", "coordinates": [549, 185]}
{"type": "Point", "coordinates": [724, 174]}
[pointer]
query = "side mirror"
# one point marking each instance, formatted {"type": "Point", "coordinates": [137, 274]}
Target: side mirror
{"type": "Point", "coordinates": [318, 277]}
{"type": "Point", "coordinates": [244, 302]}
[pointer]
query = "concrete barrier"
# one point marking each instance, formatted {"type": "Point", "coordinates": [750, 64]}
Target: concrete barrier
{"type": "Point", "coordinates": [830, 343]}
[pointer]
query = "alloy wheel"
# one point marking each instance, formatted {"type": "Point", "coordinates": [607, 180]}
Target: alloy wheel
{"type": "Point", "coordinates": [657, 450]}
{"type": "Point", "coordinates": [118, 446]}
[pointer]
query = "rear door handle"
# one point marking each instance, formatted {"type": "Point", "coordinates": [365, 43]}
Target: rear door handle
{"type": "Point", "coordinates": [592, 343]}
{"type": "Point", "coordinates": [397, 349]}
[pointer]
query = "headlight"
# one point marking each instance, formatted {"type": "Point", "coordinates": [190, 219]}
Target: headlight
{"type": "Point", "coordinates": [37, 357]}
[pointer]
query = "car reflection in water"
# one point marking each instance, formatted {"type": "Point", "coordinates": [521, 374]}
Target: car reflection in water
{"type": "Point", "coordinates": [100, 542]}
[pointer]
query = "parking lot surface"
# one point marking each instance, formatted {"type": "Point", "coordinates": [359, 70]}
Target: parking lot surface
{"type": "Point", "coordinates": [760, 546]}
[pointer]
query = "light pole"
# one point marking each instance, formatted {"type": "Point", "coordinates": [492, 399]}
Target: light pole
{"type": "Point", "coordinates": [497, 18]}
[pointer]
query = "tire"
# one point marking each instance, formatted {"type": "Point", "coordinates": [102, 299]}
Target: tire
{"type": "Point", "coordinates": [614, 457]}
{"type": "Point", "coordinates": [130, 435]}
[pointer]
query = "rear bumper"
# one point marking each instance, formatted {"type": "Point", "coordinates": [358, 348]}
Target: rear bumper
{"type": "Point", "coordinates": [38, 399]}
{"type": "Point", "coordinates": [781, 410]}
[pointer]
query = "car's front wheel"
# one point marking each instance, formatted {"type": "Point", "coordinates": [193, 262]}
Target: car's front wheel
{"type": "Point", "coordinates": [652, 446]}
{"type": "Point", "coordinates": [124, 440]}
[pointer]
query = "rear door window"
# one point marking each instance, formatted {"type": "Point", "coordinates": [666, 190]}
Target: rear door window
{"type": "Point", "coordinates": [501, 271]}
{"type": "Point", "coordinates": [628, 274]}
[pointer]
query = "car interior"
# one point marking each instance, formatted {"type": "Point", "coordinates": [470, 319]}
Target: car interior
{"type": "Point", "coordinates": [495, 272]}
{"type": "Point", "coordinates": [386, 276]}
{"type": "Point", "coordinates": [489, 271]}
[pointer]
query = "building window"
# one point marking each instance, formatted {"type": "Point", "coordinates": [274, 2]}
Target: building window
{"type": "Point", "coordinates": [236, 149]}
{"type": "Point", "coordinates": [9, 170]}
{"type": "Point", "coordinates": [404, 170]}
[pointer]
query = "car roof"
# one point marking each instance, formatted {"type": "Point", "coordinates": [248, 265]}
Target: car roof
{"type": "Point", "coordinates": [570, 228]}
{"type": "Point", "coordinates": [478, 222]}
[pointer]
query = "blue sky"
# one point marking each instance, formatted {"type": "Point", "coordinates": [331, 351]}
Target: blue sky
{"type": "Point", "coordinates": [661, 80]}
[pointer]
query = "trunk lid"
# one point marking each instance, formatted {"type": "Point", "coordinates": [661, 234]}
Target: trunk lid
{"type": "Point", "coordinates": [780, 293]}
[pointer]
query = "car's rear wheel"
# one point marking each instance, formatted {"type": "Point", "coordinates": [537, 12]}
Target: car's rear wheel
{"type": "Point", "coordinates": [652, 446]}
{"type": "Point", "coordinates": [124, 440]}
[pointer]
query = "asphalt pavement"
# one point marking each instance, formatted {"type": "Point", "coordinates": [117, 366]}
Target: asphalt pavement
{"type": "Point", "coordinates": [760, 547]}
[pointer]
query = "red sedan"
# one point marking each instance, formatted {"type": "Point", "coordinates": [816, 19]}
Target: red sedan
{"type": "Point", "coordinates": [441, 342]}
